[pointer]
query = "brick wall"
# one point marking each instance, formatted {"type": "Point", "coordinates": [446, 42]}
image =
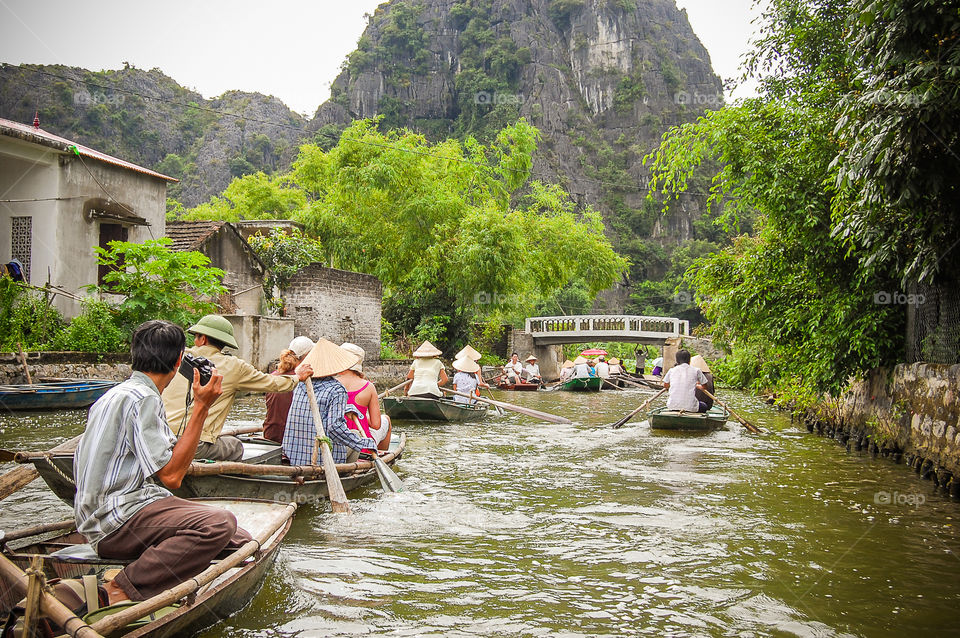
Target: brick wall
{"type": "Point", "coordinates": [337, 305]}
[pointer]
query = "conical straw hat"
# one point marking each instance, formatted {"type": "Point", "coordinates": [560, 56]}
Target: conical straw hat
{"type": "Point", "coordinates": [328, 359]}
{"type": "Point", "coordinates": [614, 361]}
{"type": "Point", "coordinates": [568, 363]}
{"type": "Point", "coordinates": [531, 358]}
{"type": "Point", "coordinates": [466, 365]}
{"type": "Point", "coordinates": [469, 353]}
{"type": "Point", "coordinates": [427, 350]}
{"type": "Point", "coordinates": [700, 362]}
{"type": "Point", "coordinates": [353, 348]}
{"type": "Point", "coordinates": [579, 360]}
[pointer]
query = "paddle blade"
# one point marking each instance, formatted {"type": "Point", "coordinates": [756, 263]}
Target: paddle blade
{"type": "Point", "coordinates": [388, 478]}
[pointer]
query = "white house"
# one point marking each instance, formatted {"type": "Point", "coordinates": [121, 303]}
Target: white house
{"type": "Point", "coordinates": [60, 199]}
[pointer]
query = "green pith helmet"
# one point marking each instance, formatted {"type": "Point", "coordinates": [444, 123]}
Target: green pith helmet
{"type": "Point", "coordinates": [215, 327]}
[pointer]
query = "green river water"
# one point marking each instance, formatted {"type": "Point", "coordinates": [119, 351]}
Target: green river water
{"type": "Point", "coordinates": [511, 527]}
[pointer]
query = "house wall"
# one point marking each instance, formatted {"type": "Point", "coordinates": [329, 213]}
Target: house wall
{"type": "Point", "coordinates": [261, 339]}
{"type": "Point", "coordinates": [243, 274]}
{"type": "Point", "coordinates": [337, 305]}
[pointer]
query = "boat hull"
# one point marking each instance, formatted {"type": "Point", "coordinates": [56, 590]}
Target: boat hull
{"type": "Point", "coordinates": [664, 419]}
{"type": "Point", "coordinates": [519, 387]}
{"type": "Point", "coordinates": [59, 395]}
{"type": "Point", "coordinates": [422, 409]}
{"type": "Point", "coordinates": [592, 384]}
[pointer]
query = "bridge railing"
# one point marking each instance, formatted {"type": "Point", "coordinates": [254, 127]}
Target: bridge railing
{"type": "Point", "coordinates": [594, 327]}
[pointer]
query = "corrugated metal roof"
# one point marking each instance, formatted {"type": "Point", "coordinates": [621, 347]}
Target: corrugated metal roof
{"type": "Point", "coordinates": [28, 133]}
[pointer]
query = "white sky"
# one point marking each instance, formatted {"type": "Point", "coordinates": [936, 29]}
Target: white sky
{"type": "Point", "coordinates": [290, 49]}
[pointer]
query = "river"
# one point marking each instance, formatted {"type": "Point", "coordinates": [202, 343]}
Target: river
{"type": "Point", "coordinates": [511, 527]}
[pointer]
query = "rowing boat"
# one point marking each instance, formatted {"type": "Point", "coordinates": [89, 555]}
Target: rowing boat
{"type": "Point", "coordinates": [588, 384]}
{"type": "Point", "coordinates": [424, 409]}
{"type": "Point", "coordinates": [57, 471]}
{"type": "Point", "coordinates": [665, 419]}
{"type": "Point", "coordinates": [522, 386]}
{"type": "Point", "coordinates": [217, 597]}
{"type": "Point", "coordinates": [53, 395]}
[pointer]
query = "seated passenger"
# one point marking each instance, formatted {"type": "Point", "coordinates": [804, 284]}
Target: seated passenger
{"type": "Point", "coordinates": [513, 370]}
{"type": "Point", "coordinates": [699, 363]}
{"type": "Point", "coordinates": [566, 371]}
{"type": "Point", "coordinates": [657, 365]}
{"type": "Point", "coordinates": [615, 369]}
{"type": "Point", "coordinates": [465, 380]}
{"type": "Point", "coordinates": [580, 368]}
{"type": "Point", "coordinates": [426, 372]}
{"type": "Point", "coordinates": [299, 439]}
{"type": "Point", "coordinates": [531, 373]}
{"type": "Point", "coordinates": [278, 403]}
{"type": "Point", "coordinates": [362, 395]}
{"type": "Point", "coordinates": [603, 368]}
{"type": "Point", "coordinates": [682, 381]}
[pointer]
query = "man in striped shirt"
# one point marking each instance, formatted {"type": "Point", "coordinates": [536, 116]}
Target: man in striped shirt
{"type": "Point", "coordinates": [125, 465]}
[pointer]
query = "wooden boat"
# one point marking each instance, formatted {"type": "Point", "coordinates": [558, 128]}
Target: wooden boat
{"type": "Point", "coordinates": [712, 419]}
{"type": "Point", "coordinates": [591, 384]}
{"type": "Point", "coordinates": [423, 409]}
{"type": "Point", "coordinates": [523, 386]}
{"type": "Point", "coordinates": [217, 596]}
{"type": "Point", "coordinates": [57, 472]}
{"type": "Point", "coordinates": [53, 395]}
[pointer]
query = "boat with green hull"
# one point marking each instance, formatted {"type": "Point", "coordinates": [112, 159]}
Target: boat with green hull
{"type": "Point", "coordinates": [665, 419]}
{"type": "Point", "coordinates": [424, 409]}
{"type": "Point", "coordinates": [588, 384]}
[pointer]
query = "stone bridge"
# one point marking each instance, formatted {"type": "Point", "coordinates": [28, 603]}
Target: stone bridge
{"type": "Point", "coordinates": [623, 328]}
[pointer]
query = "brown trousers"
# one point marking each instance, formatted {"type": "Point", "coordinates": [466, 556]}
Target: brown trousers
{"type": "Point", "coordinates": [170, 541]}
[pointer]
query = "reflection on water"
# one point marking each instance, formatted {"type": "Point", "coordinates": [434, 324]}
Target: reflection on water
{"type": "Point", "coordinates": [515, 527]}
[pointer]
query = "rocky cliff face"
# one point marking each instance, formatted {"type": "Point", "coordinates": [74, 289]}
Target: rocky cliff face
{"type": "Point", "coordinates": [601, 79]}
{"type": "Point", "coordinates": [147, 118]}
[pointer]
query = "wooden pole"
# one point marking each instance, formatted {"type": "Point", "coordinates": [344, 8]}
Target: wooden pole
{"type": "Point", "coordinates": [611, 384]}
{"type": "Point", "coordinates": [622, 421]}
{"type": "Point", "coordinates": [123, 618]}
{"type": "Point", "coordinates": [752, 428]}
{"type": "Point", "coordinates": [338, 497]}
{"type": "Point", "coordinates": [21, 476]}
{"type": "Point", "coordinates": [396, 387]}
{"type": "Point", "coordinates": [23, 359]}
{"type": "Point", "coordinates": [550, 418]}
{"type": "Point", "coordinates": [14, 578]}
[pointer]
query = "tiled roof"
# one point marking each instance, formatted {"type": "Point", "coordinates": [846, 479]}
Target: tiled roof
{"type": "Point", "coordinates": [191, 235]}
{"type": "Point", "coordinates": [28, 133]}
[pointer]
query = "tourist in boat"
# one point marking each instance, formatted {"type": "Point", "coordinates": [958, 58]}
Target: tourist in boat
{"type": "Point", "coordinates": [470, 353]}
{"type": "Point", "coordinates": [299, 439]}
{"type": "Point", "coordinates": [683, 381]}
{"type": "Point", "coordinates": [532, 371]}
{"type": "Point", "coordinates": [602, 367]}
{"type": "Point", "coordinates": [615, 368]}
{"type": "Point", "coordinates": [513, 370]}
{"type": "Point", "coordinates": [212, 334]}
{"type": "Point", "coordinates": [126, 463]}
{"type": "Point", "coordinates": [427, 372]}
{"type": "Point", "coordinates": [566, 371]}
{"type": "Point", "coordinates": [465, 380]}
{"type": "Point", "coordinates": [581, 369]}
{"type": "Point", "coordinates": [699, 363]}
{"type": "Point", "coordinates": [278, 403]}
{"type": "Point", "coordinates": [657, 365]}
{"type": "Point", "coordinates": [362, 395]}
{"type": "Point", "coordinates": [591, 368]}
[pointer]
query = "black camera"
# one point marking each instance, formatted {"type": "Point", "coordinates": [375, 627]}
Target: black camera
{"type": "Point", "coordinates": [203, 365]}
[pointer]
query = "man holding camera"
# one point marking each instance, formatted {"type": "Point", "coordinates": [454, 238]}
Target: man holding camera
{"type": "Point", "coordinates": [127, 461]}
{"type": "Point", "coordinates": [211, 334]}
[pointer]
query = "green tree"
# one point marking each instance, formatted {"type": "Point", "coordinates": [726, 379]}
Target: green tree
{"type": "Point", "coordinates": [285, 254]}
{"type": "Point", "coordinates": [255, 196]}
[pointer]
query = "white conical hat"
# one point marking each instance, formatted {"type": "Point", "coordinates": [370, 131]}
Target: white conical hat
{"type": "Point", "coordinates": [327, 359]}
{"type": "Point", "coordinates": [427, 350]}
{"type": "Point", "coordinates": [466, 365]}
{"type": "Point", "coordinates": [531, 358]}
{"type": "Point", "coordinates": [700, 362]}
{"type": "Point", "coordinates": [579, 360]}
{"type": "Point", "coordinates": [469, 353]}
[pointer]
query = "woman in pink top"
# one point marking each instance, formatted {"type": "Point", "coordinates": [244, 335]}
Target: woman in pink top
{"type": "Point", "coordinates": [363, 395]}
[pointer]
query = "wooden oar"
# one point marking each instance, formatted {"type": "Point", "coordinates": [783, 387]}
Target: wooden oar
{"type": "Point", "coordinates": [631, 382]}
{"type": "Point", "coordinates": [499, 409]}
{"type": "Point", "coordinates": [622, 421]}
{"type": "Point", "coordinates": [550, 418]}
{"type": "Point", "coordinates": [21, 476]}
{"type": "Point", "coordinates": [396, 387]}
{"type": "Point", "coordinates": [388, 478]}
{"type": "Point", "coordinates": [611, 384]}
{"type": "Point", "coordinates": [114, 622]}
{"type": "Point", "coordinates": [338, 497]}
{"type": "Point", "coordinates": [15, 579]}
{"type": "Point", "coordinates": [752, 428]}
{"type": "Point", "coordinates": [246, 429]}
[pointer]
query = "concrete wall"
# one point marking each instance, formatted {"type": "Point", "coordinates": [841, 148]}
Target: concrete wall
{"type": "Point", "coordinates": [337, 305]}
{"type": "Point", "coordinates": [71, 365]}
{"type": "Point", "coordinates": [911, 414]}
{"type": "Point", "coordinates": [261, 339]}
{"type": "Point", "coordinates": [243, 274]}
{"type": "Point", "coordinates": [64, 233]}
{"type": "Point", "coordinates": [549, 358]}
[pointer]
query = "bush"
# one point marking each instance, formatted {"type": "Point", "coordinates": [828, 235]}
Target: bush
{"type": "Point", "coordinates": [95, 329]}
{"type": "Point", "coordinates": [26, 318]}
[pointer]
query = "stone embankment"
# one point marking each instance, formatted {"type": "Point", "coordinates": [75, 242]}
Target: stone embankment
{"type": "Point", "coordinates": [910, 415]}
